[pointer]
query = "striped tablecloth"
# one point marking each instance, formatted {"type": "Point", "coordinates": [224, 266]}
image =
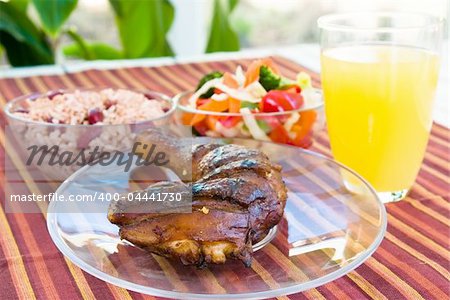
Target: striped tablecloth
{"type": "Point", "coordinates": [412, 261]}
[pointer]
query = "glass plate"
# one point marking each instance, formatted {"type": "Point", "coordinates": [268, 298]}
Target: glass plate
{"type": "Point", "coordinates": [326, 232]}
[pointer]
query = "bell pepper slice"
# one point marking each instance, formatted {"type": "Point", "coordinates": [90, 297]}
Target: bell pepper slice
{"type": "Point", "coordinates": [277, 100]}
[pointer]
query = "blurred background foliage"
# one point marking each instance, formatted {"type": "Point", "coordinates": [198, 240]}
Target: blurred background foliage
{"type": "Point", "coordinates": [34, 32]}
{"type": "Point", "coordinates": [24, 41]}
{"type": "Point", "coordinates": [31, 31]}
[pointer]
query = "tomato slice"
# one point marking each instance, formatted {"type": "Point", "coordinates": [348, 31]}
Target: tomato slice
{"type": "Point", "coordinates": [276, 100]}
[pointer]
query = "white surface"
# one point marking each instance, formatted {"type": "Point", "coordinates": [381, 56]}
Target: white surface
{"type": "Point", "coordinates": [78, 66]}
{"type": "Point", "coordinates": [307, 55]}
{"type": "Point", "coordinates": [6, 71]}
{"type": "Point", "coordinates": [191, 23]}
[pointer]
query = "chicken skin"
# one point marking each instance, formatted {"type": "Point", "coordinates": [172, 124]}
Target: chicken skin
{"type": "Point", "coordinates": [238, 195]}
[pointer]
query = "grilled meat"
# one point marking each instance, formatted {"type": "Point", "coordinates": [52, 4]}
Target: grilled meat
{"type": "Point", "coordinates": [237, 196]}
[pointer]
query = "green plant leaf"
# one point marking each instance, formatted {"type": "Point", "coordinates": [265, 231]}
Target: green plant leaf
{"type": "Point", "coordinates": [233, 4]}
{"type": "Point", "coordinates": [222, 37]}
{"type": "Point", "coordinates": [53, 13]}
{"type": "Point", "coordinates": [19, 4]}
{"type": "Point", "coordinates": [81, 50]}
{"type": "Point", "coordinates": [95, 50]}
{"type": "Point", "coordinates": [143, 26]}
{"type": "Point", "coordinates": [89, 51]}
{"type": "Point", "coordinates": [22, 54]}
{"type": "Point", "coordinates": [23, 42]}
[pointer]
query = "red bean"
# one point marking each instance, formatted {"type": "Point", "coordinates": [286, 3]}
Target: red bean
{"type": "Point", "coordinates": [95, 115]}
{"type": "Point", "coordinates": [53, 94]}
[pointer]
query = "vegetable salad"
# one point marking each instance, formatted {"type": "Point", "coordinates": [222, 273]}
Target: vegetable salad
{"type": "Point", "coordinates": [258, 103]}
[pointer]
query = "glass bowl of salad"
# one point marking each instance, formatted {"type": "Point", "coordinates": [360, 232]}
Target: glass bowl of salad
{"type": "Point", "coordinates": [258, 103]}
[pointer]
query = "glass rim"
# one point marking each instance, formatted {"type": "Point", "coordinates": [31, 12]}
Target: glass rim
{"type": "Point", "coordinates": [330, 21]}
{"type": "Point", "coordinates": [158, 96]}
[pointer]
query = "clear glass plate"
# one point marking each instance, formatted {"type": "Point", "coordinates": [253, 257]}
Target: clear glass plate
{"type": "Point", "coordinates": [326, 232]}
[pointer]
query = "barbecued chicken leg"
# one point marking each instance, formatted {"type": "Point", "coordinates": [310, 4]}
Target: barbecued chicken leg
{"type": "Point", "coordinates": [237, 196]}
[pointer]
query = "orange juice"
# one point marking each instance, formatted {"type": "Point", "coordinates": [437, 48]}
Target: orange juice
{"type": "Point", "coordinates": [378, 102]}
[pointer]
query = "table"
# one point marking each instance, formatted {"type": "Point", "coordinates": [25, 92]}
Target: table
{"type": "Point", "coordinates": [411, 263]}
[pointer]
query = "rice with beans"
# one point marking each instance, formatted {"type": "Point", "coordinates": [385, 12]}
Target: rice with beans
{"type": "Point", "coordinates": [122, 114]}
{"type": "Point", "coordinates": [108, 107]}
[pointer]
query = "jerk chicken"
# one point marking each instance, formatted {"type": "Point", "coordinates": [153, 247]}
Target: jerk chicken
{"type": "Point", "coordinates": [238, 195]}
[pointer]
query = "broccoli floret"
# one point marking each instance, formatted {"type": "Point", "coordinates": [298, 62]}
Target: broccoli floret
{"type": "Point", "coordinates": [205, 79]}
{"type": "Point", "coordinates": [268, 79]}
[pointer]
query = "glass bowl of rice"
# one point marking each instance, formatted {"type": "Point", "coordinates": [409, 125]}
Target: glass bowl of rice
{"type": "Point", "coordinates": [81, 120]}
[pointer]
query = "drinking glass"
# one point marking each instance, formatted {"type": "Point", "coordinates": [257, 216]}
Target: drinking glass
{"type": "Point", "coordinates": [379, 76]}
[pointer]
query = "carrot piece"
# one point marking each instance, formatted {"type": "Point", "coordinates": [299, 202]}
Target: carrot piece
{"type": "Point", "coordinates": [304, 125]}
{"type": "Point", "coordinates": [186, 118]}
{"type": "Point", "coordinates": [296, 127]}
{"type": "Point", "coordinates": [197, 118]}
{"type": "Point", "coordinates": [216, 106]}
{"type": "Point", "coordinates": [209, 105]}
{"type": "Point", "coordinates": [279, 135]}
{"type": "Point", "coordinates": [235, 105]}
{"type": "Point", "coordinates": [211, 122]}
{"type": "Point", "coordinates": [229, 80]}
{"type": "Point", "coordinates": [252, 73]}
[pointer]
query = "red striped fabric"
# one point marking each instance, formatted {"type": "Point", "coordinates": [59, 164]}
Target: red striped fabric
{"type": "Point", "coordinates": [411, 263]}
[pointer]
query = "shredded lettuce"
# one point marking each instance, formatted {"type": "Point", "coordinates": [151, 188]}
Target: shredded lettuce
{"type": "Point", "coordinates": [286, 83]}
{"type": "Point", "coordinates": [264, 126]}
{"type": "Point", "coordinates": [203, 89]}
{"type": "Point", "coordinates": [250, 105]}
{"type": "Point", "coordinates": [293, 118]}
{"type": "Point", "coordinates": [240, 76]}
{"type": "Point", "coordinates": [229, 132]}
{"type": "Point", "coordinates": [253, 126]}
{"type": "Point", "coordinates": [219, 97]}
{"type": "Point", "coordinates": [256, 90]}
{"type": "Point", "coordinates": [304, 80]}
